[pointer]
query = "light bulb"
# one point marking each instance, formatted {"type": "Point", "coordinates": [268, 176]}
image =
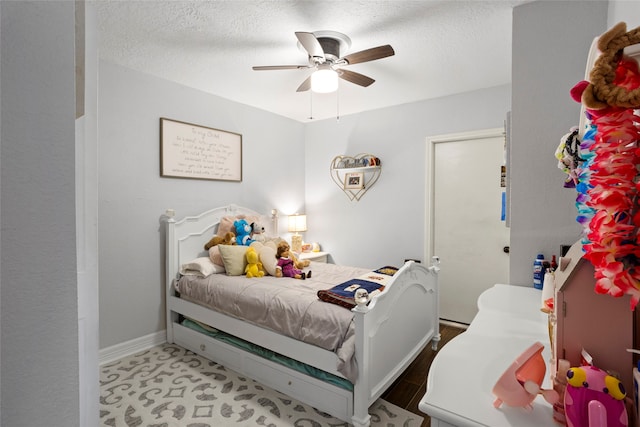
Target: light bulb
{"type": "Point", "coordinates": [324, 80]}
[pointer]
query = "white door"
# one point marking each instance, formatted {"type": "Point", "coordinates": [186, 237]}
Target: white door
{"type": "Point", "coordinates": [465, 226]}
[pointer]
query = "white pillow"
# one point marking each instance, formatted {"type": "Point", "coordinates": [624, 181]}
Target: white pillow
{"type": "Point", "coordinates": [267, 253]}
{"type": "Point", "coordinates": [201, 267]}
{"type": "Point", "coordinates": [234, 259]}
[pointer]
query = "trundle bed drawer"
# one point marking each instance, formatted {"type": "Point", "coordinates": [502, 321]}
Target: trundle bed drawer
{"type": "Point", "coordinates": [228, 356]}
{"type": "Point", "coordinates": [325, 397]}
{"type": "Point", "coordinates": [305, 388]}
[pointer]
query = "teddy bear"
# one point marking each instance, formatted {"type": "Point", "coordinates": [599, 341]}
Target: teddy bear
{"type": "Point", "coordinates": [603, 89]}
{"type": "Point", "coordinates": [257, 232]}
{"type": "Point", "coordinates": [228, 239]}
{"type": "Point", "coordinates": [243, 232]}
{"type": "Point", "coordinates": [254, 266]}
{"type": "Point", "coordinates": [300, 263]}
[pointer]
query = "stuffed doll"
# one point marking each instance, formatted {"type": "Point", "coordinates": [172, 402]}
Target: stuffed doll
{"type": "Point", "coordinates": [297, 263]}
{"type": "Point", "coordinates": [243, 232]}
{"type": "Point", "coordinates": [254, 266]}
{"type": "Point", "coordinates": [286, 263]}
{"type": "Point", "coordinates": [228, 239]}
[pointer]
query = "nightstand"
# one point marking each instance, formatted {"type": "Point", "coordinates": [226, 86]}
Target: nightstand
{"type": "Point", "coordinates": [314, 256]}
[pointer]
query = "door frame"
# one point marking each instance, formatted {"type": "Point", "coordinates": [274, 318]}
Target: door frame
{"type": "Point", "coordinates": [431, 142]}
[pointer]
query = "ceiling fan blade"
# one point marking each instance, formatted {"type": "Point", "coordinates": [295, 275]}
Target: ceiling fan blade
{"type": "Point", "coordinates": [311, 44]}
{"type": "Point", "coordinates": [357, 78]}
{"type": "Point", "coordinates": [305, 86]}
{"type": "Point", "coordinates": [369, 54]}
{"type": "Point", "coordinates": [280, 67]}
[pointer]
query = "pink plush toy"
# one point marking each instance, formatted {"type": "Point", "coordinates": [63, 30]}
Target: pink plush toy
{"type": "Point", "coordinates": [521, 382]}
{"type": "Point", "coordinates": [594, 399]}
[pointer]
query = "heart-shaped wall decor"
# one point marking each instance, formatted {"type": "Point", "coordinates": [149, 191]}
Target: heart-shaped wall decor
{"type": "Point", "coordinates": [355, 174]}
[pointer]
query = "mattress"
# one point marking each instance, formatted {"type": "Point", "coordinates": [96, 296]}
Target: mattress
{"type": "Point", "coordinates": [285, 305]}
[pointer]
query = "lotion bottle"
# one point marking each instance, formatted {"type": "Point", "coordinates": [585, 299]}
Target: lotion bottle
{"type": "Point", "coordinates": [538, 272]}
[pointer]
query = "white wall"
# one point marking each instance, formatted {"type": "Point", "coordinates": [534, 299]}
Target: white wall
{"type": "Point", "coordinates": [387, 225]}
{"type": "Point", "coordinates": [39, 313]}
{"type": "Point", "coordinates": [133, 196]}
{"type": "Point", "coordinates": [627, 11]}
{"type": "Point", "coordinates": [551, 41]}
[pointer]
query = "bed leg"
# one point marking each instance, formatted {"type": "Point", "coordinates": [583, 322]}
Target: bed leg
{"type": "Point", "coordinates": [358, 422]}
{"type": "Point", "coordinates": [434, 342]}
{"type": "Point", "coordinates": [170, 332]}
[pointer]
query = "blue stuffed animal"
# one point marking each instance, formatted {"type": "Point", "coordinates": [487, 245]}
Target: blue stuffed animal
{"type": "Point", "coordinates": [243, 232]}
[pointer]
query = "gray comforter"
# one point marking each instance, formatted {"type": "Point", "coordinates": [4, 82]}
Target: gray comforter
{"type": "Point", "coordinates": [288, 306]}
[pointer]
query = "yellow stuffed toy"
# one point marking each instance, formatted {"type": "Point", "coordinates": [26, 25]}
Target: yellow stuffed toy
{"type": "Point", "coordinates": [254, 266]}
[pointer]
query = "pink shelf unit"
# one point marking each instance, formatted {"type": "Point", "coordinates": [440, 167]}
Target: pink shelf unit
{"type": "Point", "coordinates": [601, 324]}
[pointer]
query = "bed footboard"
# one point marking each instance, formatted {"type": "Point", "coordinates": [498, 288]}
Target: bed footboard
{"type": "Point", "coordinates": [392, 330]}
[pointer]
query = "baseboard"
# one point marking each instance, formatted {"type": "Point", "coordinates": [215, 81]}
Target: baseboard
{"type": "Point", "coordinates": [127, 348]}
{"type": "Point", "coordinates": [454, 324]}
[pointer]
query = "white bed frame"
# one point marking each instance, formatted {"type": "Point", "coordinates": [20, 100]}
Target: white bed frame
{"type": "Point", "coordinates": [391, 330]}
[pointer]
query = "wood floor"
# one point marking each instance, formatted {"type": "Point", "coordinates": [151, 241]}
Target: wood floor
{"type": "Point", "coordinates": [407, 391]}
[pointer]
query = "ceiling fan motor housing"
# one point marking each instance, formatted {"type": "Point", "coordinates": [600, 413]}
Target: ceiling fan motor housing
{"type": "Point", "coordinates": [331, 48]}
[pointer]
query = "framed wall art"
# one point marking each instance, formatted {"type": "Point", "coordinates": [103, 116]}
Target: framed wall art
{"type": "Point", "coordinates": [192, 151]}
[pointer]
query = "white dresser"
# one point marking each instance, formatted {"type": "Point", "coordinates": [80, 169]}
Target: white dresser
{"type": "Point", "coordinates": [463, 373]}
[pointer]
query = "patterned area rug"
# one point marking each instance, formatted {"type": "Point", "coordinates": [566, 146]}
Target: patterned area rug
{"type": "Point", "coordinates": [169, 386]}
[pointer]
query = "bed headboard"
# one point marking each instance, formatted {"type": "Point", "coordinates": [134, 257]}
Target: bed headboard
{"type": "Point", "coordinates": [185, 238]}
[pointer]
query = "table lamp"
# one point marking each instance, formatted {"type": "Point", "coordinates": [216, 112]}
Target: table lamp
{"type": "Point", "coordinates": [297, 223]}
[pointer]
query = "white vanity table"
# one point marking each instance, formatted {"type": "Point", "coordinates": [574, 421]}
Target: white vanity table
{"type": "Point", "coordinates": [463, 373]}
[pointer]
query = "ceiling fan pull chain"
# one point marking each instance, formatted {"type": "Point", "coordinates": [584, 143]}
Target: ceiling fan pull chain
{"type": "Point", "coordinates": [310, 105]}
{"type": "Point", "coordinates": [338, 104]}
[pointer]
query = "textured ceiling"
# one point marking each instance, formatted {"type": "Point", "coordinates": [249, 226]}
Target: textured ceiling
{"type": "Point", "coordinates": [442, 48]}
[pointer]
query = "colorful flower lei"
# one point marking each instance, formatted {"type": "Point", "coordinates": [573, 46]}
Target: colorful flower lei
{"type": "Point", "coordinates": [608, 187]}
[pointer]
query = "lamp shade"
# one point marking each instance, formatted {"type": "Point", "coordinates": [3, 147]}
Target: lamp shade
{"type": "Point", "coordinates": [297, 223]}
{"type": "Point", "coordinates": [324, 80]}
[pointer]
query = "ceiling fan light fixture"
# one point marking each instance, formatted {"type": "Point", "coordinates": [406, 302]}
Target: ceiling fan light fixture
{"type": "Point", "coordinates": [324, 80]}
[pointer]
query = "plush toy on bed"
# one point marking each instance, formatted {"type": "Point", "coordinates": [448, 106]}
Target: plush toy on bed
{"type": "Point", "coordinates": [257, 232]}
{"type": "Point", "coordinates": [228, 239]}
{"type": "Point", "coordinates": [254, 266]}
{"type": "Point", "coordinates": [243, 232]}
{"type": "Point", "coordinates": [286, 266]}
{"type": "Point", "coordinates": [300, 264]}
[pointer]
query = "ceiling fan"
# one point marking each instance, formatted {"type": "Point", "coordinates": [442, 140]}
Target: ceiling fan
{"type": "Point", "coordinates": [324, 49]}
